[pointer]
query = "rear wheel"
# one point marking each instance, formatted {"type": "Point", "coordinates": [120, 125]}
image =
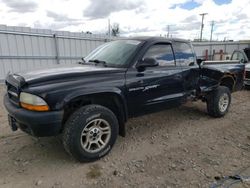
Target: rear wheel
{"type": "Point", "coordinates": [90, 133]}
{"type": "Point", "coordinates": [218, 102]}
{"type": "Point", "coordinates": [247, 87]}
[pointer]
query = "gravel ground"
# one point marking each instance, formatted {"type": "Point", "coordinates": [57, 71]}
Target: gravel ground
{"type": "Point", "coordinates": [181, 147]}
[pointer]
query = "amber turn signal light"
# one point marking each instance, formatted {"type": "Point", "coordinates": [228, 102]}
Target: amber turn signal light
{"type": "Point", "coordinates": [40, 108]}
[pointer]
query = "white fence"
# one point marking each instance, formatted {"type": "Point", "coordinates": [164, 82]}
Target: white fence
{"type": "Point", "coordinates": [23, 48]}
{"type": "Point", "coordinates": [209, 49]}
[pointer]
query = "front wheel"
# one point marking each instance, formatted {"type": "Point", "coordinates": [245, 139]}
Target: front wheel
{"type": "Point", "coordinates": [218, 102]}
{"type": "Point", "coordinates": [90, 133]}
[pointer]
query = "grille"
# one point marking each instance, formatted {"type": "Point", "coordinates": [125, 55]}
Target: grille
{"type": "Point", "coordinates": [13, 93]}
{"type": "Point", "coordinates": [248, 74]}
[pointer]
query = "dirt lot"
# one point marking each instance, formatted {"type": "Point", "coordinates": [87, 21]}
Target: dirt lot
{"type": "Point", "coordinates": [182, 147]}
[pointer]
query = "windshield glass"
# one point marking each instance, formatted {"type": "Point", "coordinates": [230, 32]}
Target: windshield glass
{"type": "Point", "coordinates": [116, 53]}
{"type": "Point", "coordinates": [238, 56]}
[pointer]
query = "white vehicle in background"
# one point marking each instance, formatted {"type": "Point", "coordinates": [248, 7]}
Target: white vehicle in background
{"type": "Point", "coordinates": [238, 56]}
{"type": "Point", "coordinates": [244, 57]}
{"type": "Point", "coordinates": [247, 76]}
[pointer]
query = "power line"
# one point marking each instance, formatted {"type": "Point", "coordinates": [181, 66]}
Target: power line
{"type": "Point", "coordinates": [202, 25]}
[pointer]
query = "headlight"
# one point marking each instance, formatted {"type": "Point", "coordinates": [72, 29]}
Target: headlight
{"type": "Point", "coordinates": [33, 102]}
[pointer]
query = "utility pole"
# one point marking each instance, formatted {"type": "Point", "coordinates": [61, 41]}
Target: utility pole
{"type": "Point", "coordinates": [212, 30]}
{"type": "Point", "coordinates": [168, 31]}
{"type": "Point", "coordinates": [211, 38]}
{"type": "Point", "coordinates": [202, 25]}
{"type": "Point", "coordinates": [109, 33]}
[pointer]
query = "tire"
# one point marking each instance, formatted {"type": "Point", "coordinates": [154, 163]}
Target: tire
{"type": "Point", "coordinates": [84, 129]}
{"type": "Point", "coordinates": [247, 87]}
{"type": "Point", "coordinates": [218, 102]}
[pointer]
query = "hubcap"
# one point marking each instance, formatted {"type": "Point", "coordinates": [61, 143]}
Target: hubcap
{"type": "Point", "coordinates": [223, 102]}
{"type": "Point", "coordinates": [96, 135]}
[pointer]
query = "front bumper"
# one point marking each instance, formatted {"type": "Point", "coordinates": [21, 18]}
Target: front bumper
{"type": "Point", "coordinates": [38, 124]}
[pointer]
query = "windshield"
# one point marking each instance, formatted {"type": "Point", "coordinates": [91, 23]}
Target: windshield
{"type": "Point", "coordinates": [116, 53]}
{"type": "Point", "coordinates": [239, 56]}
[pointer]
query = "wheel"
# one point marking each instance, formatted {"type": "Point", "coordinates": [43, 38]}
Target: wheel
{"type": "Point", "coordinates": [90, 133]}
{"type": "Point", "coordinates": [247, 87]}
{"type": "Point", "coordinates": [218, 101]}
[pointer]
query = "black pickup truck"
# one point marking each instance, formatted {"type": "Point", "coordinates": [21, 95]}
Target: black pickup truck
{"type": "Point", "coordinates": [90, 102]}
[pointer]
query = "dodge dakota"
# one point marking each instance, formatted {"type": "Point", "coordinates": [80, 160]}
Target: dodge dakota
{"type": "Point", "coordinates": [90, 102]}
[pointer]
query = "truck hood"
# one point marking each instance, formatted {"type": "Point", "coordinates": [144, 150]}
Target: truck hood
{"type": "Point", "coordinates": [59, 72]}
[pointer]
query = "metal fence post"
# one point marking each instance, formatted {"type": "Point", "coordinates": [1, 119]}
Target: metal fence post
{"type": "Point", "coordinates": [56, 48]}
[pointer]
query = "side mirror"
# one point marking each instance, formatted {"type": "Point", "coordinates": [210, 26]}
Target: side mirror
{"type": "Point", "coordinates": [147, 62]}
{"type": "Point", "coordinates": [199, 61]}
{"type": "Point", "coordinates": [82, 62]}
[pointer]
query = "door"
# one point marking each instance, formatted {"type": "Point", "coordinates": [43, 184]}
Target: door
{"type": "Point", "coordinates": [185, 56]}
{"type": "Point", "coordinates": [155, 87]}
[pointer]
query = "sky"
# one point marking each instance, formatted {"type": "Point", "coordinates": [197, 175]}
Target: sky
{"type": "Point", "coordinates": [135, 17]}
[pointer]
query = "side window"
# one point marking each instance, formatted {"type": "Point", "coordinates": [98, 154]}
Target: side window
{"type": "Point", "coordinates": [162, 53]}
{"type": "Point", "coordinates": [183, 53]}
{"type": "Point", "coordinates": [238, 56]}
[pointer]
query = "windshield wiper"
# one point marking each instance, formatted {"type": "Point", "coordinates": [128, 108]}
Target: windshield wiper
{"type": "Point", "coordinates": [83, 61]}
{"type": "Point", "coordinates": [98, 62]}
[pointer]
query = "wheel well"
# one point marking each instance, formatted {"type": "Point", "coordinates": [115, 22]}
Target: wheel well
{"type": "Point", "coordinates": [228, 82]}
{"type": "Point", "coordinates": [108, 100]}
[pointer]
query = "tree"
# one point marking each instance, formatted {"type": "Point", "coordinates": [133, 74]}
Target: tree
{"type": "Point", "coordinates": [115, 29]}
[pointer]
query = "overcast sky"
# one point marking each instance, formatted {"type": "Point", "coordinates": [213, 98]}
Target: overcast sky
{"type": "Point", "coordinates": [136, 17]}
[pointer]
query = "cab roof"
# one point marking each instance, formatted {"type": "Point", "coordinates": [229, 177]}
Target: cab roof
{"type": "Point", "coordinates": [158, 39]}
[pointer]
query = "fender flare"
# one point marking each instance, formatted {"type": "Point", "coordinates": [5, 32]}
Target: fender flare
{"type": "Point", "coordinates": [228, 76]}
{"type": "Point", "coordinates": [112, 90]}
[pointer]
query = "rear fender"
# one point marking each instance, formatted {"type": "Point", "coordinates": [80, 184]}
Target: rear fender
{"type": "Point", "coordinates": [209, 79]}
{"type": "Point", "coordinates": [212, 78]}
{"type": "Point", "coordinates": [229, 81]}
